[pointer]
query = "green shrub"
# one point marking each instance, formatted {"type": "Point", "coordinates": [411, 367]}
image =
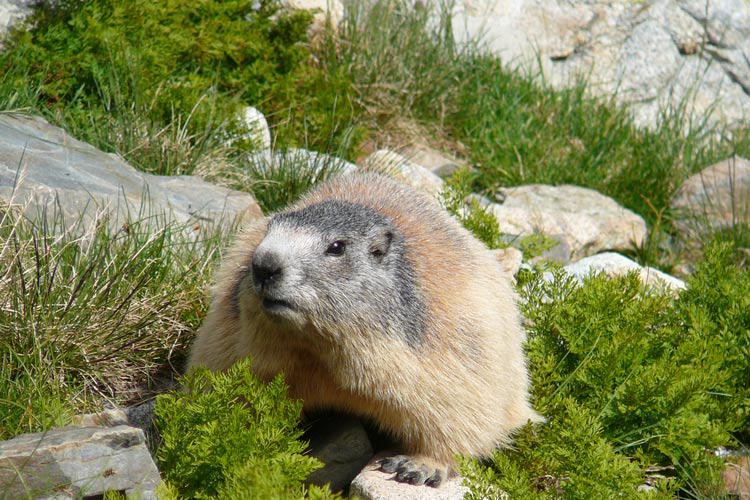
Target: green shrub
{"type": "Point", "coordinates": [471, 215]}
{"type": "Point", "coordinates": [228, 435]}
{"type": "Point", "coordinates": [629, 380]}
{"type": "Point", "coordinates": [179, 68]}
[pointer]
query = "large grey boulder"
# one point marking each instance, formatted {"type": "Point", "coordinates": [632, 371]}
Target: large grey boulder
{"type": "Point", "coordinates": [44, 170]}
{"type": "Point", "coordinates": [75, 462]}
{"type": "Point", "coordinates": [373, 484]}
{"type": "Point", "coordinates": [652, 54]}
{"type": "Point", "coordinates": [718, 197]}
{"type": "Point", "coordinates": [584, 220]}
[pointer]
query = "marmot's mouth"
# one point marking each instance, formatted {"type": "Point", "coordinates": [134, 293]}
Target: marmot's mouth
{"type": "Point", "coordinates": [276, 305]}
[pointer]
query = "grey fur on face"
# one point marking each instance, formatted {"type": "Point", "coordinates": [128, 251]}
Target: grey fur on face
{"type": "Point", "coordinates": [338, 262]}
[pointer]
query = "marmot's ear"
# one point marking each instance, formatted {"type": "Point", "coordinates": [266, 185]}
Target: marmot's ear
{"type": "Point", "coordinates": [381, 243]}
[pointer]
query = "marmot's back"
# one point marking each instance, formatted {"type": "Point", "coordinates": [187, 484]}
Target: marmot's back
{"type": "Point", "coordinates": [371, 299]}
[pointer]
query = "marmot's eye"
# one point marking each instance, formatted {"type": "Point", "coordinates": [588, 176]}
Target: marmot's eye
{"type": "Point", "coordinates": [336, 248]}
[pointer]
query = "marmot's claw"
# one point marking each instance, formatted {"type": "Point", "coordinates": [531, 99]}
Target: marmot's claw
{"type": "Point", "coordinates": [412, 471]}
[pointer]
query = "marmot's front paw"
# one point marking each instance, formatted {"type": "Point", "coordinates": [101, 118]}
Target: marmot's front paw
{"type": "Point", "coordinates": [414, 470]}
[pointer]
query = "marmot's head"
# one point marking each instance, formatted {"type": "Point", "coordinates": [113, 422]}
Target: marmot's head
{"type": "Point", "coordinates": [337, 266]}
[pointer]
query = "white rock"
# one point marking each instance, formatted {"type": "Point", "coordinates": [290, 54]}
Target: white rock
{"type": "Point", "coordinates": [408, 172]}
{"type": "Point", "coordinates": [299, 159]}
{"type": "Point", "coordinates": [587, 221]}
{"type": "Point", "coordinates": [437, 162]}
{"type": "Point", "coordinates": [372, 484]}
{"type": "Point", "coordinates": [614, 264]}
{"type": "Point", "coordinates": [11, 12]}
{"type": "Point", "coordinates": [322, 11]}
{"type": "Point", "coordinates": [257, 128]}
{"type": "Point", "coordinates": [717, 197]}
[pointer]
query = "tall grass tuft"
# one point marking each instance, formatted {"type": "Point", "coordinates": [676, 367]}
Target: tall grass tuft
{"type": "Point", "coordinates": [92, 313]}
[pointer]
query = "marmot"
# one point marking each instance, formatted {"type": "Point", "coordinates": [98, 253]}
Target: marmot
{"type": "Point", "coordinates": [371, 299]}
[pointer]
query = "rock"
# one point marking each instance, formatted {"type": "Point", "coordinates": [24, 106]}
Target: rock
{"type": "Point", "coordinates": [318, 164]}
{"type": "Point", "coordinates": [614, 264]}
{"type": "Point", "coordinates": [75, 462]}
{"type": "Point", "coordinates": [43, 170]}
{"type": "Point", "coordinates": [583, 219]}
{"type": "Point", "coordinates": [258, 132]}
{"type": "Point", "coordinates": [510, 259]}
{"type": "Point", "coordinates": [322, 11]}
{"type": "Point", "coordinates": [410, 173]}
{"type": "Point", "coordinates": [736, 477]}
{"type": "Point", "coordinates": [341, 443]}
{"type": "Point", "coordinates": [140, 416]}
{"type": "Point", "coordinates": [11, 12]}
{"type": "Point", "coordinates": [106, 418]}
{"type": "Point", "coordinates": [437, 162]}
{"type": "Point", "coordinates": [372, 484]}
{"type": "Point", "coordinates": [650, 55]}
{"type": "Point", "coordinates": [715, 198]}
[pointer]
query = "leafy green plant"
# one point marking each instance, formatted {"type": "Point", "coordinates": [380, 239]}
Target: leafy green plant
{"type": "Point", "coordinates": [471, 215]}
{"type": "Point", "coordinates": [630, 380]}
{"type": "Point", "coordinates": [229, 435]}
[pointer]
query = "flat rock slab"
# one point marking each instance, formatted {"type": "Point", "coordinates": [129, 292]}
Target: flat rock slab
{"type": "Point", "coordinates": [373, 484]}
{"type": "Point", "coordinates": [72, 462]}
{"type": "Point", "coordinates": [44, 170]}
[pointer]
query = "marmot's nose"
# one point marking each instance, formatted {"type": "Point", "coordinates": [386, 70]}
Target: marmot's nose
{"type": "Point", "coordinates": [267, 269]}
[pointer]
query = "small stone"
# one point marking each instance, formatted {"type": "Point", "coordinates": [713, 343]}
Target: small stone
{"type": "Point", "coordinates": [510, 259]}
{"type": "Point", "coordinates": [736, 477]}
{"type": "Point", "coordinates": [75, 462]}
{"type": "Point", "coordinates": [439, 163]}
{"type": "Point", "coordinates": [258, 132]}
{"type": "Point", "coordinates": [410, 173]}
{"type": "Point", "coordinates": [342, 444]}
{"type": "Point", "coordinates": [322, 10]}
{"type": "Point", "coordinates": [373, 484]}
{"type": "Point", "coordinates": [585, 220]}
{"type": "Point", "coordinates": [317, 164]}
{"type": "Point", "coordinates": [106, 418]}
{"type": "Point", "coordinates": [614, 264]}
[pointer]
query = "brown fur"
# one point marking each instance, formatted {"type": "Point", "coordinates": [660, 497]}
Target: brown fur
{"type": "Point", "coordinates": [463, 391]}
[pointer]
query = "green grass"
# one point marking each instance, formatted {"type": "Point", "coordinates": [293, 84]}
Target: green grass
{"type": "Point", "coordinates": [162, 83]}
{"type": "Point", "coordinates": [87, 316]}
{"type": "Point", "coordinates": [515, 129]}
